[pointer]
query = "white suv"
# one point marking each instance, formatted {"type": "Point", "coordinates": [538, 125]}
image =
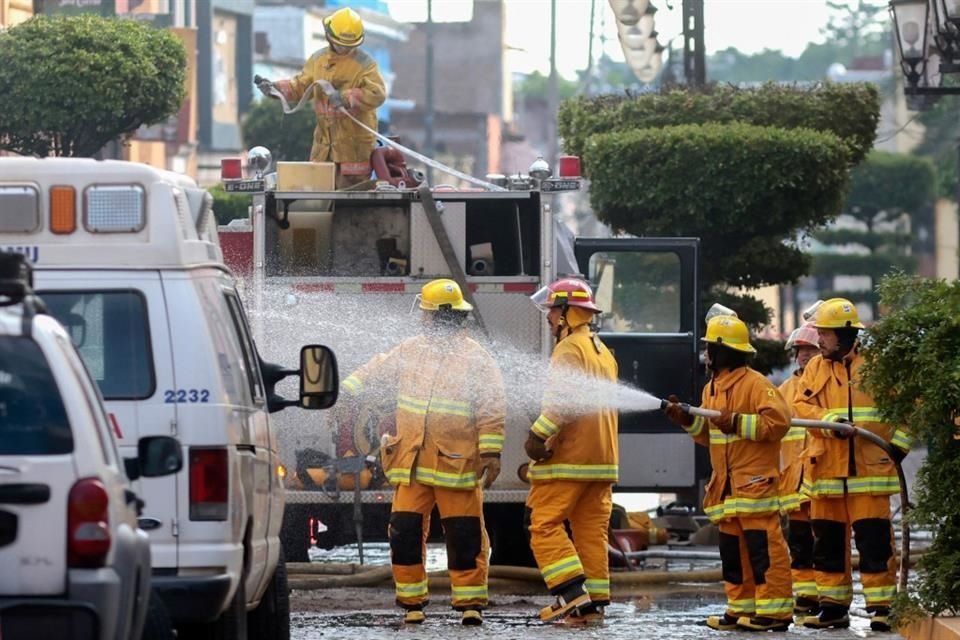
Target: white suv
{"type": "Point", "coordinates": [75, 564]}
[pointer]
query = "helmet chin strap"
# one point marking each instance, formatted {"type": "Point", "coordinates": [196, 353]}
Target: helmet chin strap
{"type": "Point", "coordinates": [563, 329]}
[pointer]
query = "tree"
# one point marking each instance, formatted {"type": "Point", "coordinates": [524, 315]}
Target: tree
{"type": "Point", "coordinates": [74, 83]}
{"type": "Point", "coordinates": [743, 170]}
{"type": "Point", "coordinates": [885, 187]}
{"type": "Point", "coordinates": [913, 372]}
{"type": "Point", "coordinates": [854, 31]}
{"type": "Point", "coordinates": [289, 137]}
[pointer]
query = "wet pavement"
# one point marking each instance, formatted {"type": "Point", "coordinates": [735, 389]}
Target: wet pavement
{"type": "Point", "coordinates": [670, 611]}
{"type": "Point", "coordinates": [675, 616]}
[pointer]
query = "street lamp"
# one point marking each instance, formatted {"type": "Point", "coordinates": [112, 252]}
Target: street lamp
{"type": "Point", "coordinates": [910, 24]}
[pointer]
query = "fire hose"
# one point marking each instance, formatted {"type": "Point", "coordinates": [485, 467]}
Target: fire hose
{"type": "Point", "coordinates": [324, 86]}
{"type": "Point", "coordinates": [846, 428]}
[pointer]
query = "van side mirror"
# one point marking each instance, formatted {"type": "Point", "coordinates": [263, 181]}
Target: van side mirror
{"type": "Point", "coordinates": [319, 379]}
{"type": "Point", "coordinates": [156, 456]}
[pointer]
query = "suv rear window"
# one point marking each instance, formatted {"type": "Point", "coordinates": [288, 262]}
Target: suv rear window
{"type": "Point", "coordinates": [33, 420]}
{"type": "Point", "coordinates": [110, 330]}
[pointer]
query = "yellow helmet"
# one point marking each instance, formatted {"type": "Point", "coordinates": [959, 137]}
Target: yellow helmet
{"type": "Point", "coordinates": [344, 27]}
{"type": "Point", "coordinates": [443, 294]}
{"type": "Point", "coordinates": [837, 313]}
{"type": "Point", "coordinates": [729, 331]}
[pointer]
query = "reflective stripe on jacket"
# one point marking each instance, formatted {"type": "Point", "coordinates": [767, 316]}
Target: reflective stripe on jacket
{"type": "Point", "coordinates": [746, 464]}
{"type": "Point", "coordinates": [336, 138]}
{"type": "Point", "coordinates": [580, 428]}
{"type": "Point", "coordinates": [450, 408]}
{"type": "Point", "coordinates": [834, 466]}
{"type": "Point", "coordinates": [791, 454]}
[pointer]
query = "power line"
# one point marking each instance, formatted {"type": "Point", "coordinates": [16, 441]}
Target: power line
{"type": "Point", "coordinates": [898, 131]}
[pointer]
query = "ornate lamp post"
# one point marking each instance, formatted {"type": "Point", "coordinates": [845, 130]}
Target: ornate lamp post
{"type": "Point", "coordinates": [928, 43]}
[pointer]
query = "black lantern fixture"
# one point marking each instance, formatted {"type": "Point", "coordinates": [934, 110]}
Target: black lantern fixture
{"type": "Point", "coordinates": [910, 24]}
{"type": "Point", "coordinates": [946, 32]}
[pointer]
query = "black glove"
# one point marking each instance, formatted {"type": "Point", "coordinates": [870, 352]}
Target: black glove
{"type": "Point", "coordinates": [898, 454]}
{"type": "Point", "coordinates": [263, 84]}
{"type": "Point", "coordinates": [675, 413]}
{"type": "Point", "coordinates": [846, 434]}
{"type": "Point", "coordinates": [536, 448]}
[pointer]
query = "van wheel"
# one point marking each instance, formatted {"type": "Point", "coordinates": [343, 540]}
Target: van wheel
{"type": "Point", "coordinates": [231, 625]}
{"type": "Point", "coordinates": [271, 619]}
{"type": "Point", "coordinates": [157, 625]}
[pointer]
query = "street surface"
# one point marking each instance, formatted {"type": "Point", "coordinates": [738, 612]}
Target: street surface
{"type": "Point", "coordinates": [679, 615]}
{"type": "Point", "coordinates": [670, 611]}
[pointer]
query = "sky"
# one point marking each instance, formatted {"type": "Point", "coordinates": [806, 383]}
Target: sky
{"type": "Point", "coordinates": [749, 25]}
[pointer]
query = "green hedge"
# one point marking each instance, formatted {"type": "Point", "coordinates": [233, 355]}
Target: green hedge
{"type": "Point", "coordinates": [71, 84]}
{"type": "Point", "coordinates": [742, 189]}
{"type": "Point", "coordinates": [913, 371]}
{"type": "Point", "coordinates": [229, 206]}
{"type": "Point", "coordinates": [849, 111]}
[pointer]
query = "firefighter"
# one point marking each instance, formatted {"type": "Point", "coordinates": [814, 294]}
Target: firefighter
{"type": "Point", "coordinates": [573, 448]}
{"type": "Point", "coordinates": [849, 480]}
{"type": "Point", "coordinates": [803, 345]}
{"type": "Point", "coordinates": [349, 78]}
{"type": "Point", "coordinates": [742, 496]}
{"type": "Point", "coordinates": [448, 395]}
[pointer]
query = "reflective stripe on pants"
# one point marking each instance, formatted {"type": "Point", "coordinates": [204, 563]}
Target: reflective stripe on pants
{"type": "Point", "coordinates": [587, 506]}
{"type": "Point", "coordinates": [756, 567]}
{"type": "Point", "coordinates": [867, 519]}
{"type": "Point", "coordinates": [461, 512]}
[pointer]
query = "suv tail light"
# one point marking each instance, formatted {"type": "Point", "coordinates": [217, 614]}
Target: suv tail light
{"type": "Point", "coordinates": [88, 524]}
{"type": "Point", "coordinates": [209, 484]}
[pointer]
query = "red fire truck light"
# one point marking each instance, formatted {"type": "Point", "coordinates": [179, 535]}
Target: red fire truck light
{"type": "Point", "coordinates": [569, 167]}
{"type": "Point", "coordinates": [231, 169]}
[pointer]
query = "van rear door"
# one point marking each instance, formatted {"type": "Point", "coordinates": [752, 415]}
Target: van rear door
{"type": "Point", "coordinates": [117, 321]}
{"type": "Point", "coordinates": [648, 290]}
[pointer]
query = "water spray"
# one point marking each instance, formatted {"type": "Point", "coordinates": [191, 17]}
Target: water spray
{"type": "Point", "coordinates": [848, 430]}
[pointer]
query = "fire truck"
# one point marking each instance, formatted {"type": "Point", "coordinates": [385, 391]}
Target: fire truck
{"type": "Point", "coordinates": [346, 265]}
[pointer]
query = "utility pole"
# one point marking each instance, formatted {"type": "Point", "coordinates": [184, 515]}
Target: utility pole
{"type": "Point", "coordinates": [552, 97]}
{"type": "Point", "coordinates": [588, 77]}
{"type": "Point", "coordinates": [694, 57]}
{"type": "Point", "coordinates": [428, 118]}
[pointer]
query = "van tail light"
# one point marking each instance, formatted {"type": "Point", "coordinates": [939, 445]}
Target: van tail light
{"type": "Point", "coordinates": [88, 524]}
{"type": "Point", "coordinates": [63, 209]}
{"type": "Point", "coordinates": [209, 484]}
{"type": "Point", "coordinates": [231, 169]}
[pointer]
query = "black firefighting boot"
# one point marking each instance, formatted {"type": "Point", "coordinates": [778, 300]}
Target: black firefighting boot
{"type": "Point", "coordinates": [569, 600]}
{"type": "Point", "coordinates": [762, 623]}
{"type": "Point", "coordinates": [726, 622]}
{"type": "Point", "coordinates": [880, 620]}
{"type": "Point", "coordinates": [831, 616]}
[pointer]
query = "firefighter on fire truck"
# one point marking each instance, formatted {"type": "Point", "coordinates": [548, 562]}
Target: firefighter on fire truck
{"type": "Point", "coordinates": [350, 79]}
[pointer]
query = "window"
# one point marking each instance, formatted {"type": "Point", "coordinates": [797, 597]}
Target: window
{"type": "Point", "coordinates": [112, 334]}
{"type": "Point", "coordinates": [250, 360]}
{"type": "Point", "coordinates": [33, 420]}
{"type": "Point", "coordinates": [639, 292]}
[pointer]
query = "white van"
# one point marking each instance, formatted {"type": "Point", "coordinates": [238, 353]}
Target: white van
{"type": "Point", "coordinates": [127, 258]}
{"type": "Point", "coordinates": [75, 564]}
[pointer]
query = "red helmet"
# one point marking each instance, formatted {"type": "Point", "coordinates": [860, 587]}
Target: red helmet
{"type": "Point", "coordinates": [566, 292]}
{"type": "Point", "coordinates": [803, 336]}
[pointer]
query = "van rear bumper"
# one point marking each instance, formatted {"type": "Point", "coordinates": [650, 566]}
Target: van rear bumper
{"type": "Point", "coordinates": [192, 599]}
